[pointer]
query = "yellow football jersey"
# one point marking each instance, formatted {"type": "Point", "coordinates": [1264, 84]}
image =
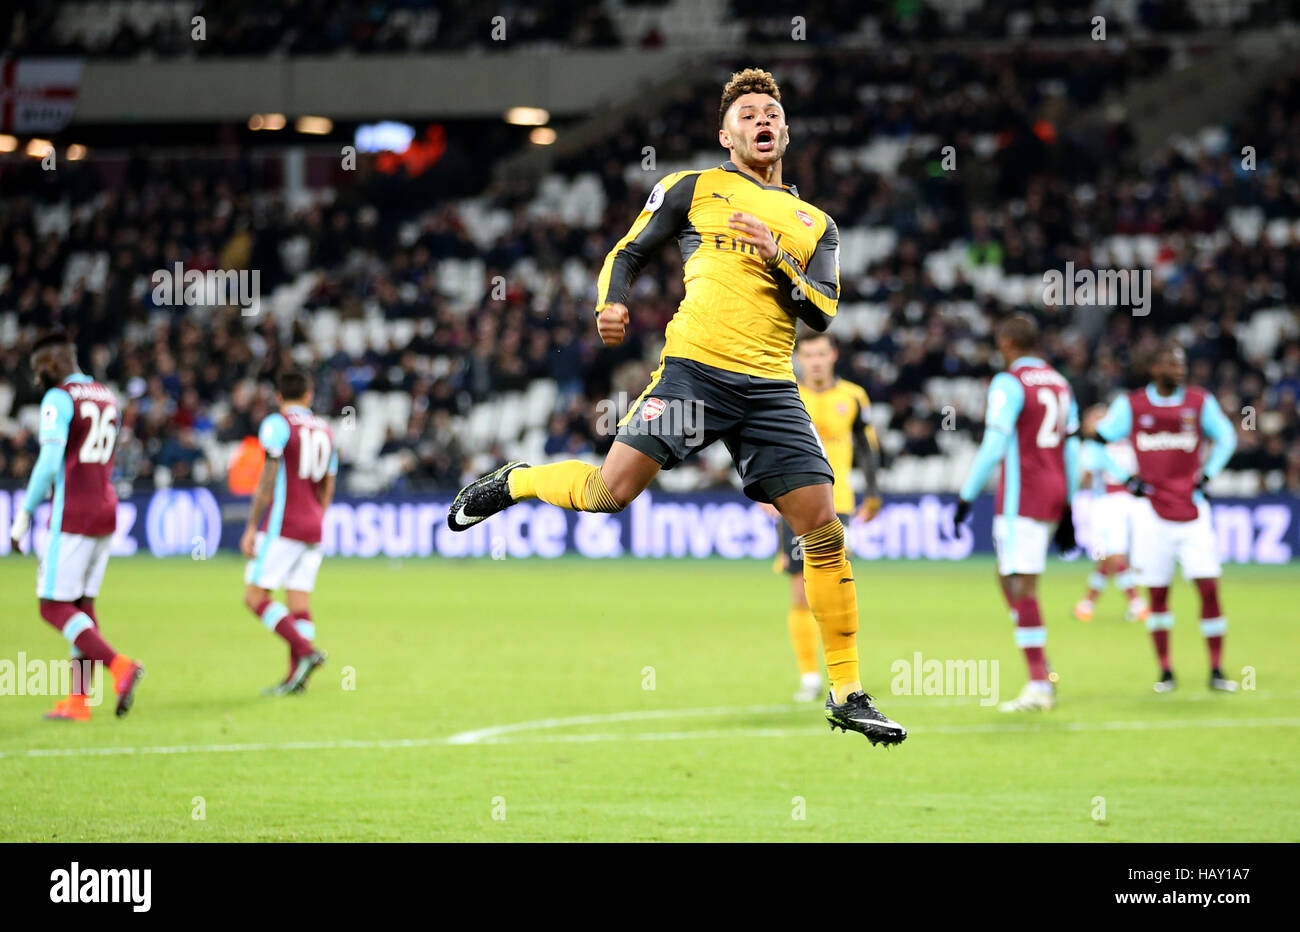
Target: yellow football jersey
{"type": "Point", "coordinates": [739, 311]}
{"type": "Point", "coordinates": [837, 413]}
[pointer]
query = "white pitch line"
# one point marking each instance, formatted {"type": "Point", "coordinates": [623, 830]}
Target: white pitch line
{"type": "Point", "coordinates": [482, 734]}
{"type": "Point", "coordinates": [507, 734]}
{"type": "Point", "coordinates": [226, 748]}
{"type": "Point", "coordinates": [1007, 727]}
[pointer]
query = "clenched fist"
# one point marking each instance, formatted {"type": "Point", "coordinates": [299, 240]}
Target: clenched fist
{"type": "Point", "coordinates": [612, 324]}
{"type": "Point", "coordinates": [869, 508]}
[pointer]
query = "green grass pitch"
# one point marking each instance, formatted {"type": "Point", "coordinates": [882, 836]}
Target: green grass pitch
{"type": "Point", "coordinates": [440, 655]}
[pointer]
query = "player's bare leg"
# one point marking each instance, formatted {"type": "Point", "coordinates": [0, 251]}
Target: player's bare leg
{"type": "Point", "coordinates": [572, 484]}
{"type": "Point", "coordinates": [806, 640]}
{"type": "Point", "coordinates": [1213, 627]}
{"type": "Point", "coordinates": [1021, 590]}
{"type": "Point", "coordinates": [833, 598]}
{"type": "Point", "coordinates": [305, 657]}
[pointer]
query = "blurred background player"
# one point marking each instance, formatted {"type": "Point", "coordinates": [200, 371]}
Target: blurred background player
{"type": "Point", "coordinates": [78, 437]}
{"type": "Point", "coordinates": [1168, 423]}
{"type": "Point", "coordinates": [1104, 468]}
{"type": "Point", "coordinates": [1030, 429]}
{"type": "Point", "coordinates": [841, 413]}
{"type": "Point", "coordinates": [728, 350]}
{"type": "Point", "coordinates": [282, 538]}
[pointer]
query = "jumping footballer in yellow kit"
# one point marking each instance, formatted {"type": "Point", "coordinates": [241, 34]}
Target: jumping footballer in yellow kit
{"type": "Point", "coordinates": [757, 259]}
{"type": "Point", "coordinates": [841, 413]}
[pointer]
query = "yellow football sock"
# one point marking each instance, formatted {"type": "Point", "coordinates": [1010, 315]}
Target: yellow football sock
{"type": "Point", "coordinates": [571, 484]}
{"type": "Point", "coordinates": [833, 598]}
{"type": "Point", "coordinates": [804, 637]}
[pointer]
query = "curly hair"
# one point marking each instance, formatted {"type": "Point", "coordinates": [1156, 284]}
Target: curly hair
{"type": "Point", "coordinates": [749, 81]}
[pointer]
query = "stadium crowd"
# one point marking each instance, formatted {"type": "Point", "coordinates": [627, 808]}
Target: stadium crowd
{"type": "Point", "coordinates": [157, 28]}
{"type": "Point", "coordinates": [1029, 194]}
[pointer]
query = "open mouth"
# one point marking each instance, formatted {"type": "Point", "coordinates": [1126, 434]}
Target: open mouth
{"type": "Point", "coordinates": [765, 141]}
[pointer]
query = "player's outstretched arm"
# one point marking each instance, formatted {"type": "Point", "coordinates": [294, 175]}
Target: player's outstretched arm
{"type": "Point", "coordinates": [664, 217]}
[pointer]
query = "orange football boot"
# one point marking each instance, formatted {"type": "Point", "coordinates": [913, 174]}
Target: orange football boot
{"type": "Point", "coordinates": [126, 675]}
{"type": "Point", "coordinates": [71, 709]}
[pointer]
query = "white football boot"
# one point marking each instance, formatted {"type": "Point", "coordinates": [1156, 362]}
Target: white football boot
{"type": "Point", "coordinates": [1034, 697]}
{"type": "Point", "coordinates": [810, 688]}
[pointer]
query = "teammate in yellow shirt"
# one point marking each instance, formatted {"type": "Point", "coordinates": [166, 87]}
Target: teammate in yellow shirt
{"type": "Point", "coordinates": [756, 259]}
{"type": "Point", "coordinates": [841, 412]}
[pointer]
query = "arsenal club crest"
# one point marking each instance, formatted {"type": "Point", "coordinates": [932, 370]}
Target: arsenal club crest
{"type": "Point", "coordinates": [804, 217]}
{"type": "Point", "coordinates": [652, 408]}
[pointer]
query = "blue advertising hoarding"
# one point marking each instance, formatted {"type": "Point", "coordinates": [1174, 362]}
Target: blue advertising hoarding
{"type": "Point", "coordinates": [198, 522]}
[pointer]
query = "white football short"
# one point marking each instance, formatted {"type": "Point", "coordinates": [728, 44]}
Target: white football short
{"type": "Point", "coordinates": [1021, 544]}
{"type": "Point", "coordinates": [1112, 518]}
{"type": "Point", "coordinates": [1158, 544]}
{"type": "Point", "coordinates": [281, 561]}
{"type": "Point", "coordinates": [71, 566]}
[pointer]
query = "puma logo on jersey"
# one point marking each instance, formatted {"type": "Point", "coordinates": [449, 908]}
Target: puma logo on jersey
{"type": "Point", "coordinates": [723, 197]}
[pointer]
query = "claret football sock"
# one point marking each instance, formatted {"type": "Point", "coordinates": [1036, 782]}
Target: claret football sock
{"type": "Point", "coordinates": [277, 618]}
{"type": "Point", "coordinates": [571, 484]}
{"type": "Point", "coordinates": [78, 628]}
{"type": "Point", "coordinates": [1213, 625]}
{"type": "Point", "coordinates": [833, 599]}
{"type": "Point", "coordinates": [1160, 622]}
{"type": "Point", "coordinates": [306, 627]}
{"type": "Point", "coordinates": [87, 604]}
{"type": "Point", "coordinates": [303, 624]}
{"type": "Point", "coordinates": [1031, 638]}
{"type": "Point", "coordinates": [805, 638]}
